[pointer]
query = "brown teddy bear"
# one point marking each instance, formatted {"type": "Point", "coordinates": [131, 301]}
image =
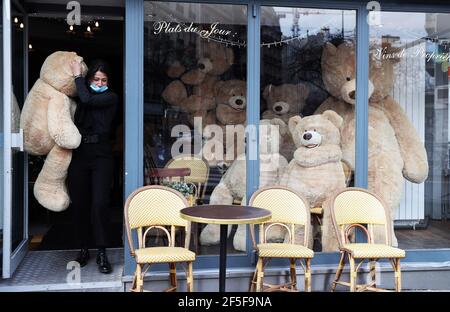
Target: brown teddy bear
{"type": "Point", "coordinates": [47, 123]}
{"type": "Point", "coordinates": [231, 102]}
{"type": "Point", "coordinates": [316, 170]}
{"type": "Point", "coordinates": [232, 185]}
{"type": "Point", "coordinates": [213, 60]}
{"type": "Point", "coordinates": [395, 149]}
{"type": "Point", "coordinates": [285, 101]}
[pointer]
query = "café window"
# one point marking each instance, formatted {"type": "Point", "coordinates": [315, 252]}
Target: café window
{"type": "Point", "coordinates": [307, 67]}
{"type": "Point", "coordinates": [195, 102]}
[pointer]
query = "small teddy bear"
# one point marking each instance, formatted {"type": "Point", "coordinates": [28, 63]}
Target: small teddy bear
{"type": "Point", "coordinates": [47, 123]}
{"type": "Point", "coordinates": [316, 170]}
{"type": "Point", "coordinates": [285, 101]}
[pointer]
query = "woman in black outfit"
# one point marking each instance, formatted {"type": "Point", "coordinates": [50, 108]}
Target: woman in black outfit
{"type": "Point", "coordinates": [91, 169]}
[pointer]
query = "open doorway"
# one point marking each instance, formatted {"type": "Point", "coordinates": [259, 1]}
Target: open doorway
{"type": "Point", "coordinates": [97, 37]}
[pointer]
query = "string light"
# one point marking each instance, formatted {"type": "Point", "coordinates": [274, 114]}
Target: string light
{"type": "Point", "coordinates": [16, 20]}
{"type": "Point", "coordinates": [88, 29]}
{"type": "Point", "coordinates": [21, 25]}
{"type": "Point", "coordinates": [97, 24]}
{"type": "Point", "coordinates": [71, 27]}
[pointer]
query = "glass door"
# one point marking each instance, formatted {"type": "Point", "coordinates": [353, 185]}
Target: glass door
{"type": "Point", "coordinates": [14, 234]}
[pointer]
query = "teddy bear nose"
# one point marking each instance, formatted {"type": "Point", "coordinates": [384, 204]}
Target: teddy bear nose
{"type": "Point", "coordinates": [307, 136]}
{"type": "Point", "coordinates": [201, 66]}
{"type": "Point", "coordinates": [239, 102]}
{"type": "Point", "coordinates": [278, 108]}
{"type": "Point", "coordinates": [352, 95]}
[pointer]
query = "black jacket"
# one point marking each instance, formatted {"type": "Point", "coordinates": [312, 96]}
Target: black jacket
{"type": "Point", "coordinates": [95, 111]}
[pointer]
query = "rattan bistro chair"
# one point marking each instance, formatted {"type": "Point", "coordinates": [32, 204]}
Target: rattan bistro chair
{"type": "Point", "coordinates": [199, 172]}
{"type": "Point", "coordinates": [353, 208]}
{"type": "Point", "coordinates": [288, 209]}
{"type": "Point", "coordinates": [157, 206]}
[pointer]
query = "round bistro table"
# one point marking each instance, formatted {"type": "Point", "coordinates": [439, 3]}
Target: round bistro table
{"type": "Point", "coordinates": [224, 215]}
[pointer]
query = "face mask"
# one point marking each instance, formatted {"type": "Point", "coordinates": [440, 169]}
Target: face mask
{"type": "Point", "coordinates": [98, 89]}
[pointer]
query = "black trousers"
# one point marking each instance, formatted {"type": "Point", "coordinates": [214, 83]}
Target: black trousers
{"type": "Point", "coordinates": [89, 181]}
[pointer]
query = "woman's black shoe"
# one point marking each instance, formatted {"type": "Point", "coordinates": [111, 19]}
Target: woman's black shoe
{"type": "Point", "coordinates": [103, 264]}
{"type": "Point", "coordinates": [83, 257]}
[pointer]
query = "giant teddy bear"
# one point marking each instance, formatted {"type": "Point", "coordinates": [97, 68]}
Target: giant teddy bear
{"type": "Point", "coordinates": [395, 149]}
{"type": "Point", "coordinates": [316, 170]}
{"type": "Point", "coordinates": [47, 123]}
{"type": "Point", "coordinates": [232, 185]}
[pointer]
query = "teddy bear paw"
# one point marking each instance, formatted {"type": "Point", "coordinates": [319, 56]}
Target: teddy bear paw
{"type": "Point", "coordinates": [51, 197]}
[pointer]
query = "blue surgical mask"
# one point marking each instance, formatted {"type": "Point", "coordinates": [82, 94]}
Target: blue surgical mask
{"type": "Point", "coordinates": [97, 89]}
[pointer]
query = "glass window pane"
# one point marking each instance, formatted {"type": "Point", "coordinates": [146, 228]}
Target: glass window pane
{"type": "Point", "coordinates": [1, 133]}
{"type": "Point", "coordinates": [308, 89]}
{"type": "Point", "coordinates": [409, 124]}
{"type": "Point", "coordinates": [195, 106]}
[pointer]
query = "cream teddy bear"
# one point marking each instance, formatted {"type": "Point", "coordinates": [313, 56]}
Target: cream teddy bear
{"type": "Point", "coordinates": [316, 170]}
{"type": "Point", "coordinates": [47, 123]}
{"type": "Point", "coordinates": [395, 149]}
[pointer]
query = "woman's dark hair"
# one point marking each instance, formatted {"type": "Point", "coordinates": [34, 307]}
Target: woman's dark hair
{"type": "Point", "coordinates": [98, 65]}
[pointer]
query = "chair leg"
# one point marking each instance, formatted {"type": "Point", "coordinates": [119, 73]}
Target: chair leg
{"type": "Point", "coordinates": [373, 272]}
{"type": "Point", "coordinates": [259, 275]}
{"type": "Point", "coordinates": [173, 274]}
{"type": "Point", "coordinates": [190, 278]}
{"type": "Point", "coordinates": [293, 274]}
{"type": "Point", "coordinates": [139, 280]}
{"type": "Point", "coordinates": [253, 281]}
{"type": "Point", "coordinates": [352, 273]}
{"type": "Point", "coordinates": [308, 275]}
{"type": "Point", "coordinates": [398, 275]}
{"type": "Point", "coordinates": [338, 271]}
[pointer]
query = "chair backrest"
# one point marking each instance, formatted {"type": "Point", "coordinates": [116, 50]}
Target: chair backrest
{"type": "Point", "coordinates": [354, 205]}
{"type": "Point", "coordinates": [288, 208]}
{"type": "Point", "coordinates": [154, 206]}
{"type": "Point", "coordinates": [199, 171]}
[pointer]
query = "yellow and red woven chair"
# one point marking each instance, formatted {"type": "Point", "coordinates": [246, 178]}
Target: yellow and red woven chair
{"type": "Point", "coordinates": [289, 209]}
{"type": "Point", "coordinates": [356, 208]}
{"type": "Point", "coordinates": [156, 206]}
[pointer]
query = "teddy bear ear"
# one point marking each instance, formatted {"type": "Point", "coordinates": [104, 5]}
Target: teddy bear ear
{"type": "Point", "coordinates": [333, 117]}
{"type": "Point", "coordinates": [293, 122]}
{"type": "Point", "coordinates": [303, 89]}
{"type": "Point", "coordinates": [267, 91]}
{"type": "Point", "coordinates": [329, 49]}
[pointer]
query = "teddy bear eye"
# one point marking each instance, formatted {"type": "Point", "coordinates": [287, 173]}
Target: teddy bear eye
{"type": "Point", "coordinates": [348, 79]}
{"type": "Point", "coordinates": [315, 130]}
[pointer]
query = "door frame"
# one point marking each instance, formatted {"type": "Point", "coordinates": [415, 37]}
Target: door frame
{"type": "Point", "coordinates": [11, 258]}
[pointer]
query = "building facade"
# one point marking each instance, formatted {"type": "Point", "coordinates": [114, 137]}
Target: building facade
{"type": "Point", "coordinates": [199, 76]}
